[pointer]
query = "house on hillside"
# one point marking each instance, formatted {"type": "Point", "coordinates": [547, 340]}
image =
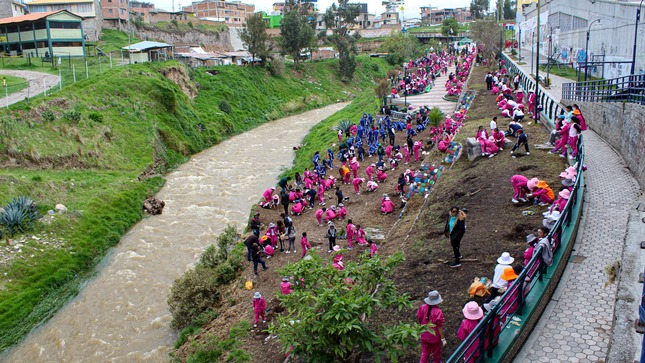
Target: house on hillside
{"type": "Point", "coordinates": [11, 8]}
{"type": "Point", "coordinates": [88, 10]}
{"type": "Point", "coordinates": [198, 57]}
{"type": "Point", "coordinates": [57, 33]}
{"type": "Point", "coordinates": [148, 51]}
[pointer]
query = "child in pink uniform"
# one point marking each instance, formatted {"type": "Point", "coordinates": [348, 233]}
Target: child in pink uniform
{"type": "Point", "coordinates": [342, 212]}
{"type": "Point", "coordinates": [482, 137]}
{"type": "Point", "coordinates": [373, 248]}
{"type": "Point", "coordinates": [357, 182]}
{"type": "Point", "coordinates": [297, 207]}
{"type": "Point", "coordinates": [563, 141]}
{"type": "Point", "coordinates": [369, 170]}
{"type": "Point", "coordinates": [360, 235]}
{"type": "Point", "coordinates": [574, 132]}
{"type": "Point", "coordinates": [285, 286]}
{"type": "Point", "coordinates": [498, 137]}
{"type": "Point", "coordinates": [388, 151]}
{"type": "Point", "coordinates": [406, 154]}
{"type": "Point", "coordinates": [320, 191]}
{"type": "Point", "coordinates": [354, 167]}
{"type": "Point", "coordinates": [418, 145]}
{"type": "Point", "coordinates": [330, 182]}
{"type": "Point", "coordinates": [431, 342]}
{"type": "Point", "coordinates": [519, 188]}
{"type": "Point", "coordinates": [272, 232]}
{"type": "Point", "coordinates": [473, 314]}
{"type": "Point", "coordinates": [304, 243]}
{"type": "Point", "coordinates": [350, 231]}
{"type": "Point", "coordinates": [259, 306]}
{"type": "Point", "coordinates": [381, 176]}
{"type": "Point", "coordinates": [371, 186]}
{"type": "Point", "coordinates": [330, 215]}
{"type": "Point", "coordinates": [319, 215]}
{"type": "Point", "coordinates": [387, 206]}
{"type": "Point", "coordinates": [268, 195]}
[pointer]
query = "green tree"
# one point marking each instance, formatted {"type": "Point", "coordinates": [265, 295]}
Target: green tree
{"type": "Point", "coordinates": [382, 89]}
{"type": "Point", "coordinates": [450, 27]}
{"type": "Point", "coordinates": [340, 19]}
{"type": "Point", "coordinates": [509, 9]}
{"type": "Point", "coordinates": [478, 8]}
{"type": "Point", "coordinates": [328, 320]}
{"type": "Point", "coordinates": [486, 33]}
{"type": "Point", "coordinates": [297, 33]}
{"type": "Point", "coordinates": [401, 47]}
{"type": "Point", "coordinates": [255, 37]}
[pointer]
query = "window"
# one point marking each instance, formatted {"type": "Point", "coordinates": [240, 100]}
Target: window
{"type": "Point", "coordinates": [38, 8]}
{"type": "Point", "coordinates": [109, 11]}
{"type": "Point", "coordinates": [67, 44]}
{"type": "Point", "coordinates": [84, 8]}
{"type": "Point", "coordinates": [64, 25]}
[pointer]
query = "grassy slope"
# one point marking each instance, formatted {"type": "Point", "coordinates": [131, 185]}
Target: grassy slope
{"type": "Point", "coordinates": [13, 84]}
{"type": "Point", "coordinates": [92, 167]}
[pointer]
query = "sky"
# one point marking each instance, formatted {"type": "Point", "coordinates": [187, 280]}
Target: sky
{"type": "Point", "coordinates": [373, 6]}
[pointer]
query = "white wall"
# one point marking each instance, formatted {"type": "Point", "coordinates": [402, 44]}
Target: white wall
{"type": "Point", "coordinates": [613, 37]}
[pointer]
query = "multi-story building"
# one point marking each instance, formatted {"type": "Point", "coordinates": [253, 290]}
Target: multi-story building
{"type": "Point", "coordinates": [141, 10]}
{"type": "Point", "coordinates": [87, 9]}
{"type": "Point", "coordinates": [233, 13]}
{"type": "Point", "coordinates": [364, 20]}
{"type": "Point", "coordinates": [388, 20]}
{"type": "Point", "coordinates": [115, 12]}
{"type": "Point", "coordinates": [432, 15]}
{"type": "Point", "coordinates": [53, 33]}
{"type": "Point", "coordinates": [282, 8]}
{"type": "Point", "coordinates": [11, 8]}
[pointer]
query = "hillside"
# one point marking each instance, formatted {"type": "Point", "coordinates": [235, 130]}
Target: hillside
{"type": "Point", "coordinates": [101, 146]}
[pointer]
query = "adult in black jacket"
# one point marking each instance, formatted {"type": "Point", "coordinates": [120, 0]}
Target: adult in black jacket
{"type": "Point", "coordinates": [455, 229]}
{"type": "Point", "coordinates": [248, 242]}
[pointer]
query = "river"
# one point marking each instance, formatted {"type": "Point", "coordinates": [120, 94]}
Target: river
{"type": "Point", "coordinates": [121, 314]}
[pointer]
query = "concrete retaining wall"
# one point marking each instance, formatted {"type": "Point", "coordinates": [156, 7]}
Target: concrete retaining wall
{"type": "Point", "coordinates": [622, 125]}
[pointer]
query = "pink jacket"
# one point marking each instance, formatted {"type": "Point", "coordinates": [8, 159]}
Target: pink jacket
{"type": "Point", "coordinates": [357, 182]}
{"type": "Point", "coordinates": [519, 181]}
{"type": "Point", "coordinates": [268, 194]}
{"type": "Point", "coordinates": [373, 249]}
{"type": "Point", "coordinates": [466, 327]}
{"type": "Point", "coordinates": [285, 287]}
{"type": "Point", "coordinates": [528, 254]}
{"type": "Point", "coordinates": [330, 215]}
{"type": "Point", "coordinates": [435, 316]}
{"type": "Point", "coordinates": [259, 305]}
{"type": "Point", "coordinates": [369, 171]}
{"type": "Point", "coordinates": [350, 230]}
{"type": "Point", "coordinates": [342, 212]}
{"type": "Point", "coordinates": [387, 206]}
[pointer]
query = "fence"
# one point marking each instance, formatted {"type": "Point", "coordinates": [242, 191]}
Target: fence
{"type": "Point", "coordinates": [502, 331]}
{"type": "Point", "coordinates": [621, 89]}
{"type": "Point", "coordinates": [550, 107]}
{"type": "Point", "coordinates": [69, 69]}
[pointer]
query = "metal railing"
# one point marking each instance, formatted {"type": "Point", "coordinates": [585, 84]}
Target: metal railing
{"type": "Point", "coordinates": [621, 89]}
{"type": "Point", "coordinates": [481, 342]}
{"type": "Point", "coordinates": [551, 108]}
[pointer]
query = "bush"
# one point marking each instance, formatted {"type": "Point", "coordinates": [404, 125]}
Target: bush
{"type": "Point", "coordinates": [19, 215]}
{"type": "Point", "coordinates": [48, 116]}
{"type": "Point", "coordinates": [375, 67]}
{"type": "Point", "coordinates": [183, 336]}
{"type": "Point", "coordinates": [224, 106]}
{"type": "Point", "coordinates": [72, 116]}
{"type": "Point", "coordinates": [435, 116]}
{"type": "Point", "coordinates": [276, 66]}
{"type": "Point", "coordinates": [96, 117]}
{"type": "Point", "coordinates": [191, 295]}
{"type": "Point", "coordinates": [190, 24]}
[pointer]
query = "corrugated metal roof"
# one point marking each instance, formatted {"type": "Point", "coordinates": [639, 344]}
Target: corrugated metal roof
{"type": "Point", "coordinates": [31, 17]}
{"type": "Point", "coordinates": [146, 45]}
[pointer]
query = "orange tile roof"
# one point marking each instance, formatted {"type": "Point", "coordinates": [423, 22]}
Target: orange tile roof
{"type": "Point", "coordinates": [28, 17]}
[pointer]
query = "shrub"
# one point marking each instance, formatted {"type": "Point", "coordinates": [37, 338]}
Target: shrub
{"type": "Point", "coordinates": [224, 106]}
{"type": "Point", "coordinates": [276, 66]}
{"type": "Point", "coordinates": [190, 24]}
{"type": "Point", "coordinates": [72, 116]}
{"type": "Point", "coordinates": [19, 215]}
{"type": "Point", "coordinates": [191, 295]}
{"type": "Point", "coordinates": [183, 336]}
{"type": "Point", "coordinates": [96, 116]}
{"type": "Point", "coordinates": [435, 116]}
{"type": "Point", "coordinates": [48, 116]}
{"type": "Point", "coordinates": [175, 23]}
{"type": "Point", "coordinates": [375, 67]}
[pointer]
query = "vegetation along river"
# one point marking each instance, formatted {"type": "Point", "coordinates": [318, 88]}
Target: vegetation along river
{"type": "Point", "coordinates": [121, 314]}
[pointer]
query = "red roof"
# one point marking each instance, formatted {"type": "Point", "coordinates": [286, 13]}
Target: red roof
{"type": "Point", "coordinates": [28, 17]}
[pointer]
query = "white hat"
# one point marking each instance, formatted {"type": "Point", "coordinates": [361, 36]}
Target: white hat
{"type": "Point", "coordinates": [505, 259]}
{"type": "Point", "coordinates": [433, 298]}
{"type": "Point", "coordinates": [257, 295]}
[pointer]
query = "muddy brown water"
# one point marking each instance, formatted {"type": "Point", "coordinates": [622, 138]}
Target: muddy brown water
{"type": "Point", "coordinates": [121, 315]}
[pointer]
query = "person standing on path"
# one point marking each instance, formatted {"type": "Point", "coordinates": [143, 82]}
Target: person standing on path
{"type": "Point", "coordinates": [455, 229]}
{"type": "Point", "coordinates": [331, 235]}
{"type": "Point", "coordinates": [259, 306]}
{"type": "Point", "coordinates": [432, 342]}
{"type": "Point", "coordinates": [257, 258]}
{"type": "Point", "coordinates": [256, 224]}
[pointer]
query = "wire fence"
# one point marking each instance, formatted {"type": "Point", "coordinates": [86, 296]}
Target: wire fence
{"type": "Point", "coordinates": [67, 68]}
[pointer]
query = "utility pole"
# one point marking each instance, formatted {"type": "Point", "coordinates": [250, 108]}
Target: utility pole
{"type": "Point", "coordinates": [638, 18]}
{"type": "Point", "coordinates": [537, 64]}
{"type": "Point", "coordinates": [129, 32]}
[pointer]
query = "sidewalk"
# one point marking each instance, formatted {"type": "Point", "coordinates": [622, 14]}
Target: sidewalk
{"type": "Point", "coordinates": [38, 82]}
{"type": "Point", "coordinates": [578, 323]}
{"type": "Point", "coordinates": [434, 98]}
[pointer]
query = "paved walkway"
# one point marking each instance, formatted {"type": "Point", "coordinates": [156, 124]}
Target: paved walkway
{"type": "Point", "coordinates": [36, 85]}
{"type": "Point", "coordinates": [578, 321]}
{"type": "Point", "coordinates": [434, 98]}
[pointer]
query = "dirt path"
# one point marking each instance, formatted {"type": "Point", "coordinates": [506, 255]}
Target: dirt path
{"type": "Point", "coordinates": [38, 83]}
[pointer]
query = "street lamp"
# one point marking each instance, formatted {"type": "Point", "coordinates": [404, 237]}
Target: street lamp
{"type": "Point", "coordinates": [549, 54]}
{"type": "Point", "coordinates": [638, 18]}
{"type": "Point", "coordinates": [587, 48]}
